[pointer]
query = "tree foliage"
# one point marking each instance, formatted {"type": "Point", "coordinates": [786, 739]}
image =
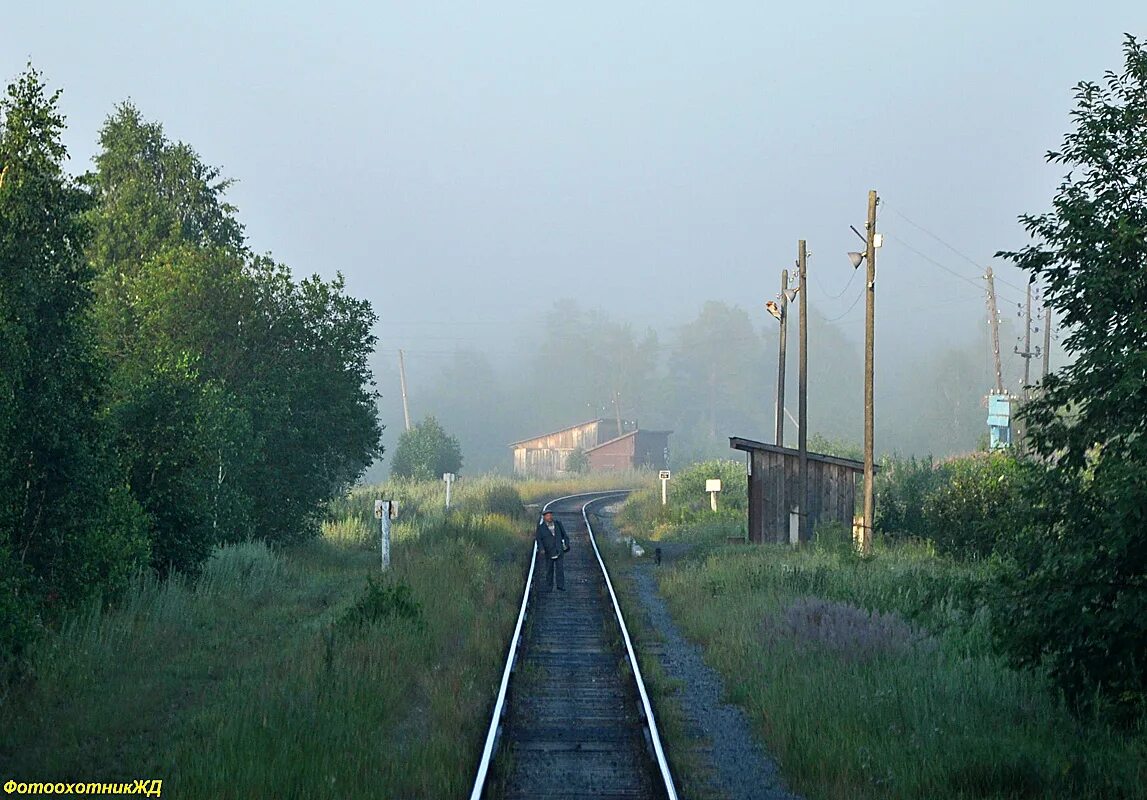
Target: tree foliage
{"type": "Point", "coordinates": [243, 398]}
{"type": "Point", "coordinates": [162, 390]}
{"type": "Point", "coordinates": [425, 452]}
{"type": "Point", "coordinates": [68, 529]}
{"type": "Point", "coordinates": [1077, 602]}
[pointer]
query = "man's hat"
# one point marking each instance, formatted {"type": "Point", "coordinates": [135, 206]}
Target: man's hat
{"type": "Point", "coordinates": [547, 512]}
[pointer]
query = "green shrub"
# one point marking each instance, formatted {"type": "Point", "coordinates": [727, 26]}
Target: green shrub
{"type": "Point", "coordinates": [578, 462]}
{"type": "Point", "coordinates": [969, 507]}
{"type": "Point", "coordinates": [496, 497]}
{"type": "Point", "coordinates": [19, 621]}
{"type": "Point", "coordinates": [901, 487]}
{"type": "Point", "coordinates": [1074, 600]}
{"type": "Point", "coordinates": [377, 602]}
{"type": "Point", "coordinates": [980, 509]}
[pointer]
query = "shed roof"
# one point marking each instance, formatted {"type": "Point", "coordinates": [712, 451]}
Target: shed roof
{"type": "Point", "coordinates": [737, 443]}
{"type": "Point", "coordinates": [559, 430]}
{"type": "Point", "coordinates": [624, 436]}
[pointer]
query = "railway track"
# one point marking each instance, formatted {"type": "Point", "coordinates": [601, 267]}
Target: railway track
{"type": "Point", "coordinates": [572, 718]}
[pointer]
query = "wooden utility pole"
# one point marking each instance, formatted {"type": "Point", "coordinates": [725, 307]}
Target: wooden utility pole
{"type": "Point", "coordinates": [994, 323]}
{"type": "Point", "coordinates": [402, 380]}
{"type": "Point", "coordinates": [784, 304]}
{"type": "Point", "coordinates": [1027, 353]}
{"type": "Point", "coordinates": [617, 410]}
{"type": "Point", "coordinates": [1046, 337]}
{"type": "Point", "coordinates": [802, 413]}
{"type": "Point", "coordinates": [869, 349]}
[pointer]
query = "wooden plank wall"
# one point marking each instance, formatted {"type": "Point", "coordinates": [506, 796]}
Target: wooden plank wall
{"type": "Point", "coordinates": [774, 490]}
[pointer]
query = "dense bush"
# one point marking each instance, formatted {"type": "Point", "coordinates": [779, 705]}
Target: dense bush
{"type": "Point", "coordinates": [1075, 600]}
{"type": "Point", "coordinates": [901, 488]}
{"type": "Point", "coordinates": [688, 508]}
{"type": "Point", "coordinates": [687, 488]}
{"type": "Point", "coordinates": [495, 497]}
{"type": "Point", "coordinates": [968, 507]}
{"type": "Point", "coordinates": [980, 508]}
{"type": "Point", "coordinates": [578, 462]}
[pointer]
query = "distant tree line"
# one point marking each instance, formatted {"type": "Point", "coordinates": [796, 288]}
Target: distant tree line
{"type": "Point", "coordinates": [709, 378]}
{"type": "Point", "coordinates": [162, 388]}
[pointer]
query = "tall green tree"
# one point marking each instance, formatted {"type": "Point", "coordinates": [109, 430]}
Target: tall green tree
{"type": "Point", "coordinates": [243, 398]}
{"type": "Point", "coordinates": [312, 395]}
{"type": "Point", "coordinates": [68, 529]}
{"type": "Point", "coordinates": [426, 452]}
{"type": "Point", "coordinates": [1078, 600]}
{"type": "Point", "coordinates": [169, 258]}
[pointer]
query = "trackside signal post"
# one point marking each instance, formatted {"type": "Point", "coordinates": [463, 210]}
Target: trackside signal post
{"type": "Point", "coordinates": [384, 512]}
{"type": "Point", "coordinates": [664, 476]}
{"type": "Point", "coordinates": [449, 478]}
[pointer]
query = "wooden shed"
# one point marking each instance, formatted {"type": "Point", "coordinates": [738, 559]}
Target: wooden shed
{"type": "Point", "coordinates": [634, 449]}
{"type": "Point", "coordinates": [546, 455]}
{"type": "Point", "coordinates": [774, 488]}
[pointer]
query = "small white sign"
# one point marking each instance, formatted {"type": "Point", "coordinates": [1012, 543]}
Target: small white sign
{"type": "Point", "coordinates": [712, 485]}
{"type": "Point", "coordinates": [378, 509]}
{"type": "Point", "coordinates": [664, 475]}
{"type": "Point", "coordinates": [448, 477]}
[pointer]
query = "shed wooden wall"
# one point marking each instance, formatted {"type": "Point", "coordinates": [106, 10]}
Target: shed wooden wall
{"type": "Point", "coordinates": [776, 476]}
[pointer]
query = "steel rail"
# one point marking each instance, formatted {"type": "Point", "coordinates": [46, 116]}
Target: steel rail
{"type": "Point", "coordinates": [500, 704]}
{"type": "Point", "coordinates": [651, 722]}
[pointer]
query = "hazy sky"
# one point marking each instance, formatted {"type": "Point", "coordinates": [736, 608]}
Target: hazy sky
{"type": "Point", "coordinates": [467, 164]}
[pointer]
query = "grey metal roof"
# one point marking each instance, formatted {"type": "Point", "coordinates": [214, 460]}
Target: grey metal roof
{"type": "Point", "coordinates": [624, 436]}
{"type": "Point", "coordinates": [559, 430]}
{"type": "Point", "coordinates": [737, 443]}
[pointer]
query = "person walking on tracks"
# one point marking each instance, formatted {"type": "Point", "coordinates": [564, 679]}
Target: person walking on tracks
{"type": "Point", "coordinates": [553, 540]}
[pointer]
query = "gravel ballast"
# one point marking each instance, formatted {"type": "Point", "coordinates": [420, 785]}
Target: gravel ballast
{"type": "Point", "coordinates": [740, 768]}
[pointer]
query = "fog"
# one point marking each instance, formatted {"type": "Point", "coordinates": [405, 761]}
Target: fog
{"type": "Point", "coordinates": [548, 206]}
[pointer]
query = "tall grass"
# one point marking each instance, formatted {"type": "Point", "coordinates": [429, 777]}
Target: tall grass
{"type": "Point", "coordinates": [249, 682]}
{"type": "Point", "coordinates": [876, 678]}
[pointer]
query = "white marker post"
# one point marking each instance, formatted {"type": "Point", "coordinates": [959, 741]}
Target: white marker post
{"type": "Point", "coordinates": [384, 512]}
{"type": "Point", "coordinates": [449, 478]}
{"type": "Point", "coordinates": [664, 475]}
{"type": "Point", "coordinates": [712, 486]}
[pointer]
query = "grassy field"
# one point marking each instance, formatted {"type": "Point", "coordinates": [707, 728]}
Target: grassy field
{"type": "Point", "coordinates": [876, 678]}
{"type": "Point", "coordinates": [295, 673]}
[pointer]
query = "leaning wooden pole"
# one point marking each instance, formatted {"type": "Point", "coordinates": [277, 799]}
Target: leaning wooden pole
{"type": "Point", "coordinates": [402, 379]}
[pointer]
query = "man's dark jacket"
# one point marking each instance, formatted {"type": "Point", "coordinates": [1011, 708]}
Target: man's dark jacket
{"type": "Point", "coordinates": [554, 543]}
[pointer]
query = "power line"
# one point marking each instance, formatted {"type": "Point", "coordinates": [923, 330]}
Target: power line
{"type": "Point", "coordinates": [845, 314]}
{"type": "Point", "coordinates": [934, 262]}
{"type": "Point", "coordinates": [962, 255]}
{"type": "Point", "coordinates": [842, 291]}
{"type": "Point", "coordinates": [973, 281]}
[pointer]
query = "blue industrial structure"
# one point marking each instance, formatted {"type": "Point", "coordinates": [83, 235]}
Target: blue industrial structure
{"type": "Point", "coordinates": [1000, 420]}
